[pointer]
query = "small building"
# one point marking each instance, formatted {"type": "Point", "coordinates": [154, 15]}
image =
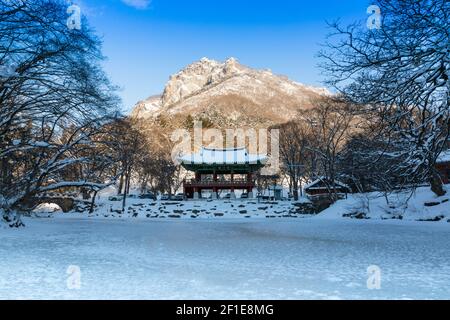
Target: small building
{"type": "Point", "coordinates": [218, 170]}
{"type": "Point", "coordinates": [443, 166]}
{"type": "Point", "coordinates": [323, 185]}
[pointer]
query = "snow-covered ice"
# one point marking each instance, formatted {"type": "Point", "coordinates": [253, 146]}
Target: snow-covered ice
{"type": "Point", "coordinates": [309, 258]}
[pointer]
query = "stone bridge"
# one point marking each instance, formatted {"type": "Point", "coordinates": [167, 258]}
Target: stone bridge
{"type": "Point", "coordinates": [66, 204]}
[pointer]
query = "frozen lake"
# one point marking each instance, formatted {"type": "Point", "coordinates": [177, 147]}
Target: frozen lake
{"type": "Point", "coordinates": [221, 259]}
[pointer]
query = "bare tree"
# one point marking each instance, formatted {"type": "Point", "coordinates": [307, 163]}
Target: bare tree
{"type": "Point", "coordinates": [401, 72]}
{"type": "Point", "coordinates": [331, 123]}
{"type": "Point", "coordinates": [294, 153]}
{"type": "Point", "coordinates": [54, 82]}
{"type": "Point", "coordinates": [131, 149]}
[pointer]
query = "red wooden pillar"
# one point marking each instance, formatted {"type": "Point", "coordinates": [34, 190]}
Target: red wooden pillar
{"type": "Point", "coordinates": [250, 182]}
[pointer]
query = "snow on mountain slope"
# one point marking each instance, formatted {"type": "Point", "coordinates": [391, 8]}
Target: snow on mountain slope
{"type": "Point", "coordinates": [198, 76]}
{"type": "Point", "coordinates": [149, 106]}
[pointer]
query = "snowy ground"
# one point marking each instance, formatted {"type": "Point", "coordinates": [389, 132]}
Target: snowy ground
{"type": "Point", "coordinates": [309, 258]}
{"type": "Point", "coordinates": [202, 209]}
{"type": "Point", "coordinates": [422, 205]}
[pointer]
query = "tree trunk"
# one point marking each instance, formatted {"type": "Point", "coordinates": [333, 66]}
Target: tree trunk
{"type": "Point", "coordinates": [436, 185]}
{"type": "Point", "coordinates": [128, 182]}
{"type": "Point", "coordinates": [126, 190]}
{"type": "Point", "coordinates": [5, 175]}
{"type": "Point", "coordinates": [91, 210]}
{"type": "Point", "coordinates": [124, 202]}
{"type": "Point", "coordinates": [301, 188]}
{"type": "Point", "coordinates": [295, 186]}
{"type": "Point", "coordinates": [120, 184]}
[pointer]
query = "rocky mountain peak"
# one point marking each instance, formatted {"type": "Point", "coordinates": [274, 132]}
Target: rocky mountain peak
{"type": "Point", "coordinates": [229, 94]}
{"type": "Point", "coordinates": [196, 76]}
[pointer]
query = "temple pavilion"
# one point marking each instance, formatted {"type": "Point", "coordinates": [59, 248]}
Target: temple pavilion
{"type": "Point", "coordinates": [218, 170]}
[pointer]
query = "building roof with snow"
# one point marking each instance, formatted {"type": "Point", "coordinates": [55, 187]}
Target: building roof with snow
{"type": "Point", "coordinates": [323, 183]}
{"type": "Point", "coordinates": [230, 156]}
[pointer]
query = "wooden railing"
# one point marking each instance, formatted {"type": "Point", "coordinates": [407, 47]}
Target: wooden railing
{"type": "Point", "coordinates": [206, 183]}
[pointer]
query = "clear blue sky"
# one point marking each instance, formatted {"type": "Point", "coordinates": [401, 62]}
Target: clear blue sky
{"type": "Point", "coordinates": [147, 41]}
